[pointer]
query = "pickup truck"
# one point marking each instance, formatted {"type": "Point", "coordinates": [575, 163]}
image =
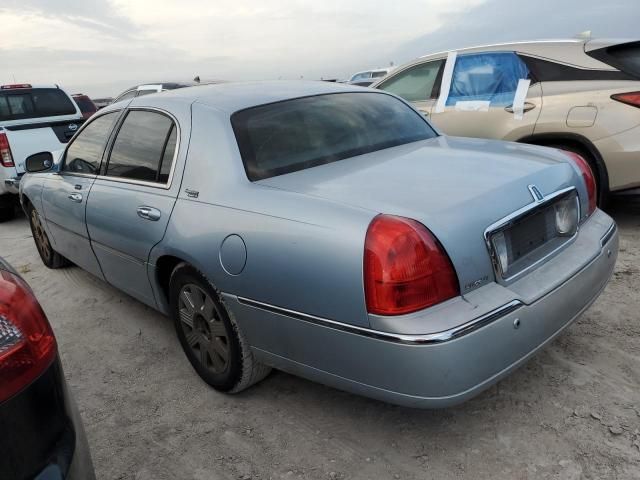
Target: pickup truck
{"type": "Point", "coordinates": [32, 119]}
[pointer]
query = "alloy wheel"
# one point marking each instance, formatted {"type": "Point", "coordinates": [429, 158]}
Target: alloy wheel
{"type": "Point", "coordinates": [40, 236]}
{"type": "Point", "coordinates": [203, 328]}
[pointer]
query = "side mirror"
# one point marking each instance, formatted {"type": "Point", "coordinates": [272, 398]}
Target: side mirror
{"type": "Point", "coordinates": [38, 162]}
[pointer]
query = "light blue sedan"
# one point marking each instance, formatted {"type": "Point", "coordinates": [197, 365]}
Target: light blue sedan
{"type": "Point", "coordinates": [328, 231]}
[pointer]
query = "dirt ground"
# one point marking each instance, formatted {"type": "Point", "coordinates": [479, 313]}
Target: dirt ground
{"type": "Point", "coordinates": [573, 412]}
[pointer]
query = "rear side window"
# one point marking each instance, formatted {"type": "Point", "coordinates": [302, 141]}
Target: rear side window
{"type": "Point", "coordinates": [490, 77]}
{"type": "Point", "coordinates": [85, 152]}
{"type": "Point", "coordinates": [414, 84]}
{"type": "Point", "coordinates": [625, 57]}
{"type": "Point", "coordinates": [305, 132]}
{"type": "Point", "coordinates": [144, 147]}
{"type": "Point", "coordinates": [28, 103]}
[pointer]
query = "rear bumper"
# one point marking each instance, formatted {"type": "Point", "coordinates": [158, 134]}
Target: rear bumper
{"type": "Point", "coordinates": [437, 371]}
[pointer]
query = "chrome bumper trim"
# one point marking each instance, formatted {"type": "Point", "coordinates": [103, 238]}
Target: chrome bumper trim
{"type": "Point", "coordinates": [610, 233]}
{"type": "Point", "coordinates": [426, 339]}
{"type": "Point", "coordinates": [12, 182]}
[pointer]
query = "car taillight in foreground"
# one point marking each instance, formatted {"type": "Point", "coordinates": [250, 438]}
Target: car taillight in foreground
{"type": "Point", "coordinates": [405, 267]}
{"type": "Point", "coordinates": [588, 177]}
{"type": "Point", "coordinates": [27, 344]}
{"type": "Point", "coordinates": [631, 98]}
{"type": "Point", "coordinates": [6, 159]}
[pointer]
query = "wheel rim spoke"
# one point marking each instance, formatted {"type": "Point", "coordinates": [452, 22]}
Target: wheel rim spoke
{"type": "Point", "coordinates": [186, 317]}
{"type": "Point", "coordinates": [217, 329]}
{"type": "Point", "coordinates": [218, 361]}
{"type": "Point", "coordinates": [193, 338]}
{"type": "Point", "coordinates": [208, 309]}
{"type": "Point", "coordinates": [221, 348]}
{"type": "Point", "coordinates": [204, 354]}
{"type": "Point", "coordinates": [187, 300]}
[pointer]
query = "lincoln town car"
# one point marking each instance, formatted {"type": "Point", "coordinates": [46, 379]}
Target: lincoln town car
{"type": "Point", "coordinates": [328, 231]}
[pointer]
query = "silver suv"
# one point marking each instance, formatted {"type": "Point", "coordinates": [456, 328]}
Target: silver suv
{"type": "Point", "coordinates": [578, 95]}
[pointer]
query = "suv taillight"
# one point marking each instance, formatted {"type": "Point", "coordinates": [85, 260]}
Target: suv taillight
{"type": "Point", "coordinates": [27, 344]}
{"type": "Point", "coordinates": [6, 159]}
{"type": "Point", "coordinates": [587, 175]}
{"type": "Point", "coordinates": [631, 98]}
{"type": "Point", "coordinates": [405, 267]}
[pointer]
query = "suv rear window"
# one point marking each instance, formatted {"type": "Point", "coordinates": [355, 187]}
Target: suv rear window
{"type": "Point", "coordinates": [26, 103]}
{"type": "Point", "coordinates": [293, 135]}
{"type": "Point", "coordinates": [625, 57]}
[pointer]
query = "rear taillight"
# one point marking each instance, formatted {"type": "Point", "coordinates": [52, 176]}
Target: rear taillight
{"type": "Point", "coordinates": [6, 159]}
{"type": "Point", "coordinates": [27, 344]}
{"type": "Point", "coordinates": [405, 268]}
{"type": "Point", "coordinates": [587, 175]}
{"type": "Point", "coordinates": [631, 98]}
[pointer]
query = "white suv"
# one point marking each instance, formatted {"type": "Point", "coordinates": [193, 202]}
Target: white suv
{"type": "Point", "coordinates": [33, 119]}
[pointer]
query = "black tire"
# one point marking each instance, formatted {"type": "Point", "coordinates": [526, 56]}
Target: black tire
{"type": "Point", "coordinates": [210, 338]}
{"type": "Point", "coordinates": [602, 193]}
{"type": "Point", "coordinates": [49, 256]}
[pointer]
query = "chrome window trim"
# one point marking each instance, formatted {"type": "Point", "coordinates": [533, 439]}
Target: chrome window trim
{"type": "Point", "coordinates": [61, 170]}
{"type": "Point", "coordinates": [406, 339]}
{"type": "Point", "coordinates": [505, 222]}
{"type": "Point", "coordinates": [144, 183]}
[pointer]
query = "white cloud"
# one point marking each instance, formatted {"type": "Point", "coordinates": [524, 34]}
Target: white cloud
{"type": "Point", "coordinates": [122, 42]}
{"type": "Point", "coordinates": [103, 46]}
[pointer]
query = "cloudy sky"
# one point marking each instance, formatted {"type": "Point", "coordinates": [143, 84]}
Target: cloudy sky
{"type": "Point", "coordinates": [100, 47]}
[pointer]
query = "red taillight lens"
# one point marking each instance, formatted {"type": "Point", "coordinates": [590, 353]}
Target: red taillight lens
{"type": "Point", "coordinates": [631, 98]}
{"type": "Point", "coordinates": [6, 159]}
{"type": "Point", "coordinates": [27, 344]}
{"type": "Point", "coordinates": [587, 175]}
{"type": "Point", "coordinates": [405, 268]}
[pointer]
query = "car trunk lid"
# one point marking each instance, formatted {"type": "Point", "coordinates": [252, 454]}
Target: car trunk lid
{"type": "Point", "coordinates": [456, 187]}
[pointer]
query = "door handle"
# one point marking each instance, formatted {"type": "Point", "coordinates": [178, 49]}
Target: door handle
{"type": "Point", "coordinates": [527, 107]}
{"type": "Point", "coordinates": [424, 112]}
{"type": "Point", "coordinates": [75, 197]}
{"type": "Point", "coordinates": [149, 213]}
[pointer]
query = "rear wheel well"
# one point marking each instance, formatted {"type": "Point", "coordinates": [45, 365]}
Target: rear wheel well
{"type": "Point", "coordinates": [581, 146]}
{"type": "Point", "coordinates": [164, 267]}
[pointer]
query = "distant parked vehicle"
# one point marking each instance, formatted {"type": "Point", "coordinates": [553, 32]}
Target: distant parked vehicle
{"type": "Point", "coordinates": [147, 88]}
{"type": "Point", "coordinates": [329, 231]}
{"type": "Point", "coordinates": [367, 77]}
{"type": "Point", "coordinates": [32, 119]}
{"type": "Point", "coordinates": [42, 434]}
{"type": "Point", "coordinates": [102, 102]}
{"type": "Point", "coordinates": [86, 105]}
{"type": "Point", "coordinates": [579, 95]}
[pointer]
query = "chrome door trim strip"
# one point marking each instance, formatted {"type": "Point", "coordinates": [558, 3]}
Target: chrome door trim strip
{"type": "Point", "coordinates": [130, 181]}
{"type": "Point", "coordinates": [423, 339]}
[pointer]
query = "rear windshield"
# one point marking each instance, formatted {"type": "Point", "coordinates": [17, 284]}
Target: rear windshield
{"type": "Point", "coordinates": [19, 104]}
{"type": "Point", "coordinates": [293, 135]}
{"type": "Point", "coordinates": [625, 57]}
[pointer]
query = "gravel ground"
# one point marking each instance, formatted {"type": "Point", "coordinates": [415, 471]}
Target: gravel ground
{"type": "Point", "coordinates": [573, 412]}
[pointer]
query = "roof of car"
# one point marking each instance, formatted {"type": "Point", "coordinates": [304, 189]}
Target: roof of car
{"type": "Point", "coordinates": [234, 96]}
{"type": "Point", "coordinates": [569, 51]}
